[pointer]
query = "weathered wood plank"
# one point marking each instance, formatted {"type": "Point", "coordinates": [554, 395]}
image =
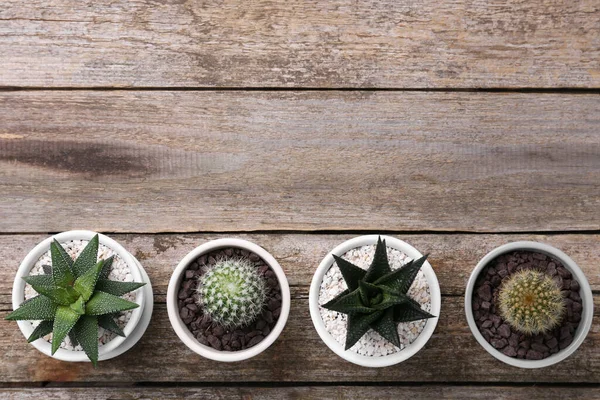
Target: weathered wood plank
{"type": "Point", "coordinates": [299, 355]}
{"type": "Point", "coordinates": [452, 256]}
{"type": "Point", "coordinates": [309, 393]}
{"type": "Point", "coordinates": [300, 43]}
{"type": "Point", "coordinates": [239, 161]}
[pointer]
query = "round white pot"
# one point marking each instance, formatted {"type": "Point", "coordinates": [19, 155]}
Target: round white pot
{"type": "Point", "coordinates": [140, 317]}
{"type": "Point", "coordinates": [585, 292]}
{"type": "Point", "coordinates": [183, 332]}
{"type": "Point", "coordinates": [338, 348]}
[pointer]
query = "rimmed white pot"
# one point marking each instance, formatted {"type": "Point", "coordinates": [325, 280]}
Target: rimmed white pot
{"type": "Point", "coordinates": [338, 348]}
{"type": "Point", "coordinates": [184, 333]}
{"type": "Point", "coordinates": [585, 292]}
{"type": "Point", "coordinates": [140, 317]}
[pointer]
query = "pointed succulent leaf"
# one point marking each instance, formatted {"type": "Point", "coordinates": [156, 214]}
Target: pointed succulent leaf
{"type": "Point", "coordinates": [103, 303]}
{"type": "Point", "coordinates": [390, 300]}
{"type": "Point", "coordinates": [61, 265]}
{"type": "Point", "coordinates": [64, 321]}
{"type": "Point", "coordinates": [107, 267]}
{"type": "Point", "coordinates": [37, 308]}
{"type": "Point", "coordinates": [335, 299]}
{"type": "Point", "coordinates": [87, 258]}
{"type": "Point", "coordinates": [107, 322]}
{"type": "Point", "coordinates": [410, 311]}
{"type": "Point", "coordinates": [401, 279]}
{"type": "Point", "coordinates": [349, 303]}
{"type": "Point", "coordinates": [380, 265]}
{"type": "Point", "coordinates": [42, 280]}
{"type": "Point", "coordinates": [59, 295]}
{"type": "Point", "coordinates": [387, 328]}
{"type": "Point", "coordinates": [44, 328]}
{"type": "Point", "coordinates": [117, 288]}
{"type": "Point", "coordinates": [369, 293]}
{"type": "Point", "coordinates": [72, 337]}
{"type": "Point", "coordinates": [86, 333]}
{"type": "Point", "coordinates": [358, 325]}
{"type": "Point", "coordinates": [78, 306]}
{"type": "Point", "coordinates": [351, 273]}
{"type": "Point", "coordinates": [86, 283]}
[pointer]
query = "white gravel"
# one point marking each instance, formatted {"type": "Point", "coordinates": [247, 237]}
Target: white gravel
{"type": "Point", "coordinates": [120, 272]}
{"type": "Point", "coordinates": [372, 344]}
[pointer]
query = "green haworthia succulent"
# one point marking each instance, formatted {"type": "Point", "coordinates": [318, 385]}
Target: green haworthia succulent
{"type": "Point", "coordinates": [377, 298]}
{"type": "Point", "coordinates": [233, 292]}
{"type": "Point", "coordinates": [531, 302]}
{"type": "Point", "coordinates": [75, 298]}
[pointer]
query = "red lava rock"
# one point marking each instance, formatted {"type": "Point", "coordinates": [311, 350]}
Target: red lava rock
{"type": "Point", "coordinates": [509, 351]}
{"type": "Point", "coordinates": [486, 324]}
{"type": "Point", "coordinates": [486, 305]}
{"type": "Point", "coordinates": [499, 343]}
{"type": "Point", "coordinates": [539, 347]}
{"type": "Point", "coordinates": [485, 292]}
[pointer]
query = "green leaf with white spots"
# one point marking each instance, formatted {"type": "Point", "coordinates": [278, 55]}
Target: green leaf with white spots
{"type": "Point", "coordinates": [103, 303]}
{"type": "Point", "coordinates": [61, 265]}
{"type": "Point", "coordinates": [44, 328]}
{"type": "Point", "coordinates": [107, 322]}
{"type": "Point", "coordinates": [107, 267]}
{"type": "Point", "coordinates": [85, 284]}
{"type": "Point", "coordinates": [59, 295]}
{"type": "Point", "coordinates": [42, 280]}
{"type": "Point", "coordinates": [86, 333]}
{"type": "Point", "coordinates": [87, 258]}
{"type": "Point", "coordinates": [117, 288]}
{"type": "Point", "coordinates": [37, 308]}
{"type": "Point", "coordinates": [78, 306]}
{"type": "Point", "coordinates": [64, 321]}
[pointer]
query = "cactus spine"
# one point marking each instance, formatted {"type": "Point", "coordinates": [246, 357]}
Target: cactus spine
{"type": "Point", "coordinates": [233, 292]}
{"type": "Point", "coordinates": [531, 302]}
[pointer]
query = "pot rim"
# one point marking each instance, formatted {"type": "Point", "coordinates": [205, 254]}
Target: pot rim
{"type": "Point", "coordinates": [338, 348]}
{"type": "Point", "coordinates": [183, 332]}
{"type": "Point", "coordinates": [18, 294]}
{"type": "Point", "coordinates": [585, 291]}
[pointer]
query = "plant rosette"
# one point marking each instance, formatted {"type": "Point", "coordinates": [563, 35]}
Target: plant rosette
{"type": "Point", "coordinates": [373, 350]}
{"type": "Point", "coordinates": [555, 328]}
{"type": "Point", "coordinates": [133, 323]}
{"type": "Point", "coordinates": [228, 300]}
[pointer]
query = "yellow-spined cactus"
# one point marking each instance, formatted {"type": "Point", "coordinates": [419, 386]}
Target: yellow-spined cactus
{"type": "Point", "coordinates": [531, 302]}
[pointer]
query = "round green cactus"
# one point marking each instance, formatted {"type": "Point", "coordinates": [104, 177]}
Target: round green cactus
{"type": "Point", "coordinates": [233, 292]}
{"type": "Point", "coordinates": [531, 302]}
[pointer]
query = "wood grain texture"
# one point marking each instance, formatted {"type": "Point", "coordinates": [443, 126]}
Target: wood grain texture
{"type": "Point", "coordinates": [308, 393]}
{"type": "Point", "coordinates": [299, 355]}
{"type": "Point", "coordinates": [241, 161]}
{"type": "Point", "coordinates": [300, 43]}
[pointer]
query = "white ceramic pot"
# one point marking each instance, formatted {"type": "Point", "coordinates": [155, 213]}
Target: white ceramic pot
{"type": "Point", "coordinates": [140, 316]}
{"type": "Point", "coordinates": [338, 348]}
{"type": "Point", "coordinates": [585, 292]}
{"type": "Point", "coordinates": [184, 333]}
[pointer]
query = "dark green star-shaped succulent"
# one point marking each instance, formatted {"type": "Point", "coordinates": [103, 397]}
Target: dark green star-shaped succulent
{"type": "Point", "coordinates": [75, 298]}
{"type": "Point", "coordinates": [377, 298]}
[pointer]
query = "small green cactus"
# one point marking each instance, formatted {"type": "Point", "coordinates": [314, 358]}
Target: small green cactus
{"type": "Point", "coordinates": [233, 292]}
{"type": "Point", "coordinates": [531, 302]}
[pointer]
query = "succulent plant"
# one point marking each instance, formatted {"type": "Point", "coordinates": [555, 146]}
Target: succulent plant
{"type": "Point", "coordinates": [377, 298]}
{"type": "Point", "coordinates": [531, 302]}
{"type": "Point", "coordinates": [75, 298]}
{"type": "Point", "coordinates": [233, 292]}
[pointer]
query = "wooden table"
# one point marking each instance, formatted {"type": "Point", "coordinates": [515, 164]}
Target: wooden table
{"type": "Point", "coordinates": [456, 126]}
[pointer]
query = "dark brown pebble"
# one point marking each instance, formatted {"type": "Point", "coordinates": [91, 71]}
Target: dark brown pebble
{"type": "Point", "coordinates": [504, 331]}
{"type": "Point", "coordinates": [263, 270]}
{"type": "Point", "coordinates": [274, 304]}
{"type": "Point", "coordinates": [521, 352]}
{"type": "Point", "coordinates": [577, 307]}
{"type": "Point", "coordinates": [486, 305]}
{"type": "Point", "coordinates": [253, 333]}
{"type": "Point", "coordinates": [565, 332]}
{"type": "Point", "coordinates": [255, 340]}
{"type": "Point", "coordinates": [184, 313]}
{"type": "Point", "coordinates": [192, 307]}
{"type": "Point", "coordinates": [564, 343]}
{"type": "Point", "coordinates": [525, 344]}
{"type": "Point", "coordinates": [499, 343]}
{"type": "Point", "coordinates": [509, 351]}
{"type": "Point", "coordinates": [261, 324]}
{"type": "Point", "coordinates": [272, 283]}
{"type": "Point", "coordinates": [496, 281]}
{"type": "Point", "coordinates": [575, 297]}
{"type": "Point", "coordinates": [235, 344]}
{"type": "Point", "coordinates": [575, 285]}
{"type": "Point", "coordinates": [189, 274]}
{"type": "Point", "coordinates": [228, 252]}
{"type": "Point", "coordinates": [540, 256]}
{"type": "Point", "coordinates": [513, 341]}
{"type": "Point", "coordinates": [496, 320]}
{"type": "Point", "coordinates": [226, 338]}
{"type": "Point", "coordinates": [212, 260]}
{"type": "Point", "coordinates": [227, 348]}
{"type": "Point", "coordinates": [266, 330]}
{"type": "Point", "coordinates": [268, 316]}
{"type": "Point", "coordinates": [534, 355]}
{"type": "Point", "coordinates": [539, 347]}
{"type": "Point", "coordinates": [475, 305]}
{"type": "Point", "coordinates": [486, 324]}
{"type": "Point", "coordinates": [202, 259]}
{"type": "Point", "coordinates": [202, 340]}
{"type": "Point", "coordinates": [183, 294]}
{"type": "Point", "coordinates": [552, 342]}
{"type": "Point", "coordinates": [276, 313]}
{"type": "Point", "coordinates": [253, 257]}
{"type": "Point", "coordinates": [576, 317]}
{"type": "Point", "coordinates": [189, 300]}
{"type": "Point", "coordinates": [562, 271]}
{"type": "Point", "coordinates": [538, 339]}
{"type": "Point", "coordinates": [491, 271]}
{"type": "Point", "coordinates": [244, 252]}
{"type": "Point", "coordinates": [485, 292]}
{"type": "Point", "coordinates": [187, 285]}
{"type": "Point", "coordinates": [218, 330]}
{"type": "Point", "coordinates": [214, 342]}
